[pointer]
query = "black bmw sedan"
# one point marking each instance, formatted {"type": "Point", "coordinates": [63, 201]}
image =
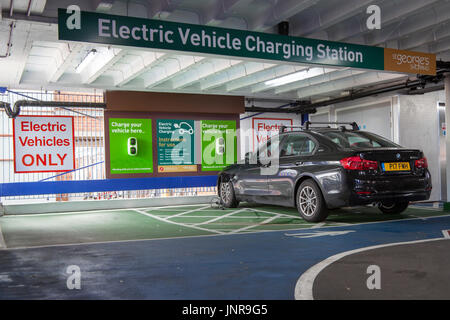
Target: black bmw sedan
{"type": "Point", "coordinates": [319, 168]}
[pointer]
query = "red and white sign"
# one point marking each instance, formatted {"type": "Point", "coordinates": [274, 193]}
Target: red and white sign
{"type": "Point", "coordinates": [264, 128]}
{"type": "Point", "coordinates": [43, 144]}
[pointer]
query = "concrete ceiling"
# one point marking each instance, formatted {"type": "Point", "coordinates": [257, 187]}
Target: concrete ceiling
{"type": "Point", "coordinates": [38, 60]}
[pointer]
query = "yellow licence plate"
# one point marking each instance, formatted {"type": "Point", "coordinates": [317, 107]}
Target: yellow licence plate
{"type": "Point", "coordinates": [396, 166]}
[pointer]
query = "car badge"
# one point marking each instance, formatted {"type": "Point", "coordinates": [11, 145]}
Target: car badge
{"type": "Point", "coordinates": [397, 156]}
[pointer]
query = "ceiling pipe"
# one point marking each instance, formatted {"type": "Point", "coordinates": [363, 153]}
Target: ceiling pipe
{"type": "Point", "coordinates": [15, 111]}
{"type": "Point", "coordinates": [299, 106]}
{"type": "Point", "coordinates": [425, 90]}
{"type": "Point", "coordinates": [360, 79]}
{"type": "Point", "coordinates": [420, 82]}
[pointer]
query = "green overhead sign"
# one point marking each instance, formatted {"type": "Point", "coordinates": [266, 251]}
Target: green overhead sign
{"type": "Point", "coordinates": [137, 32]}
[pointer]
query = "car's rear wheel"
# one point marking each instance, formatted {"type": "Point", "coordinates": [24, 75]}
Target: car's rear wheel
{"type": "Point", "coordinates": [310, 202]}
{"type": "Point", "coordinates": [227, 196]}
{"type": "Point", "coordinates": [393, 207]}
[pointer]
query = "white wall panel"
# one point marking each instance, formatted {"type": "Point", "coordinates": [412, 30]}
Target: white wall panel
{"type": "Point", "coordinates": [375, 117]}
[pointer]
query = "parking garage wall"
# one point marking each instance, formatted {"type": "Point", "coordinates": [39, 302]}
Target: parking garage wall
{"type": "Point", "coordinates": [419, 128]}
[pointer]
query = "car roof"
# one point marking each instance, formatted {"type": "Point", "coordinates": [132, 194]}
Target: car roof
{"type": "Point", "coordinates": [320, 130]}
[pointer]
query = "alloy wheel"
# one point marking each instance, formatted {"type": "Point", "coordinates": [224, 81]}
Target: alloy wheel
{"type": "Point", "coordinates": [308, 201]}
{"type": "Point", "coordinates": [225, 192]}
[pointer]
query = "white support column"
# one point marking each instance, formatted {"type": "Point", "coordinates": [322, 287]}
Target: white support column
{"type": "Point", "coordinates": [447, 136]}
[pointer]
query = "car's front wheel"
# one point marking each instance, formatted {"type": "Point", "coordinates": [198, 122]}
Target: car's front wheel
{"type": "Point", "coordinates": [394, 207]}
{"type": "Point", "coordinates": [310, 202]}
{"type": "Point", "coordinates": [227, 196]}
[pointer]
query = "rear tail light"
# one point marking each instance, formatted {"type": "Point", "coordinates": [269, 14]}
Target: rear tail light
{"type": "Point", "coordinates": [421, 163]}
{"type": "Point", "coordinates": [356, 163]}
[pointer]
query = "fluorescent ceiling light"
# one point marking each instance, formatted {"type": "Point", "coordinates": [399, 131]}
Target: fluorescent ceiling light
{"type": "Point", "coordinates": [288, 79]}
{"type": "Point", "coordinates": [88, 59]}
{"type": "Point", "coordinates": [102, 58]}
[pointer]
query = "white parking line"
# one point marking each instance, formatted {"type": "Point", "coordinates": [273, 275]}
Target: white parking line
{"type": "Point", "coordinates": [239, 217]}
{"type": "Point", "coordinates": [184, 212]}
{"type": "Point", "coordinates": [220, 217]}
{"type": "Point", "coordinates": [173, 222]}
{"type": "Point", "coordinates": [245, 232]}
{"type": "Point", "coordinates": [276, 213]}
{"type": "Point", "coordinates": [318, 225]}
{"type": "Point", "coordinates": [255, 225]}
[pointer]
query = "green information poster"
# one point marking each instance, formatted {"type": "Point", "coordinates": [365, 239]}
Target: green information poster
{"type": "Point", "coordinates": [219, 144]}
{"type": "Point", "coordinates": [176, 145]}
{"type": "Point", "coordinates": [130, 146]}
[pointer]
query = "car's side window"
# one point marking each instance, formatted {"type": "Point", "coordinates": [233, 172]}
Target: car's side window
{"type": "Point", "coordinates": [268, 148]}
{"type": "Point", "coordinates": [297, 145]}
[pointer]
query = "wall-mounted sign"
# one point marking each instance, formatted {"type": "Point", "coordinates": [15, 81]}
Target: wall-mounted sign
{"type": "Point", "coordinates": [264, 128]}
{"type": "Point", "coordinates": [409, 61]}
{"type": "Point", "coordinates": [43, 144]}
{"type": "Point", "coordinates": [176, 139]}
{"type": "Point", "coordinates": [130, 145]}
{"type": "Point", "coordinates": [138, 32]}
{"type": "Point", "coordinates": [219, 144]}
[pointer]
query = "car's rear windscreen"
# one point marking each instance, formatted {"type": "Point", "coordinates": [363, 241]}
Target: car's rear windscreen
{"type": "Point", "coordinates": [358, 140]}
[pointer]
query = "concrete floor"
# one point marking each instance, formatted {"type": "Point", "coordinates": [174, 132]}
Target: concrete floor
{"type": "Point", "coordinates": [21, 231]}
{"type": "Point", "coordinates": [417, 271]}
{"type": "Point", "coordinates": [188, 252]}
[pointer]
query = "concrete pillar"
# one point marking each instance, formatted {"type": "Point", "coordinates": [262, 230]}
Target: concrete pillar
{"type": "Point", "coordinates": [447, 136]}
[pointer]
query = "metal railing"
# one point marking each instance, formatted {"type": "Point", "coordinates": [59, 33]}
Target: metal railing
{"type": "Point", "coordinates": [89, 150]}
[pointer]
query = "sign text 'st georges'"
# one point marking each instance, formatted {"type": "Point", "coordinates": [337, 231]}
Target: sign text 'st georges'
{"type": "Point", "coordinates": [43, 144]}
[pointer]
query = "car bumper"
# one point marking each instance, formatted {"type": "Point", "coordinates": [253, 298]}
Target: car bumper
{"type": "Point", "coordinates": [363, 199]}
{"type": "Point", "coordinates": [393, 188]}
{"type": "Point", "coordinates": [362, 191]}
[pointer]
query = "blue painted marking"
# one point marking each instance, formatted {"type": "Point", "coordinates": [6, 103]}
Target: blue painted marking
{"type": "Point", "coordinates": [243, 266]}
{"type": "Point", "coordinates": [61, 174]}
{"type": "Point", "coordinates": [22, 95]}
{"type": "Point", "coordinates": [51, 187]}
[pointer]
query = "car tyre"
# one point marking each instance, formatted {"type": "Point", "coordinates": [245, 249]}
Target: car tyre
{"type": "Point", "coordinates": [227, 195]}
{"type": "Point", "coordinates": [310, 202]}
{"type": "Point", "coordinates": [393, 207]}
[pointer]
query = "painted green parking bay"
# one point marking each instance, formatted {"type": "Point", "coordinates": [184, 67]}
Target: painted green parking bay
{"type": "Point", "coordinates": [172, 222]}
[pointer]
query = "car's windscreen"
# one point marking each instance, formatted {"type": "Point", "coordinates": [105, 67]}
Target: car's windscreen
{"type": "Point", "coordinates": [358, 140]}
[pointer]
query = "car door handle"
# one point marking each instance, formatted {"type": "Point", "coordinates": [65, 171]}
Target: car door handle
{"type": "Point", "coordinates": [298, 163]}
